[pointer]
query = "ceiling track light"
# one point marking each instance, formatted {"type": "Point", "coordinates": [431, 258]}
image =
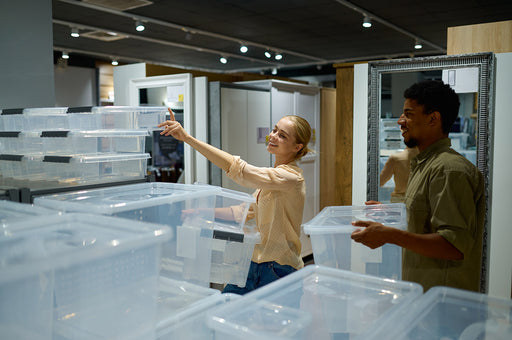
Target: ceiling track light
{"type": "Point", "coordinates": [65, 55]}
{"type": "Point", "coordinates": [367, 22]}
{"type": "Point", "coordinates": [418, 45]}
{"type": "Point", "coordinates": [114, 62]}
{"type": "Point", "coordinates": [139, 26]}
{"type": "Point", "coordinates": [223, 60]}
{"type": "Point", "coordinates": [244, 48]}
{"type": "Point", "coordinates": [274, 71]}
{"type": "Point", "coordinates": [268, 54]}
{"type": "Point", "coordinates": [278, 56]}
{"type": "Point", "coordinates": [74, 32]}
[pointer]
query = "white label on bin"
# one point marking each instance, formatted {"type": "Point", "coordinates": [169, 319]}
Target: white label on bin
{"type": "Point", "coordinates": [187, 238]}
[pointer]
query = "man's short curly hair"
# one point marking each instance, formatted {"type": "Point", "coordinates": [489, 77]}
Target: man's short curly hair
{"type": "Point", "coordinates": [435, 95]}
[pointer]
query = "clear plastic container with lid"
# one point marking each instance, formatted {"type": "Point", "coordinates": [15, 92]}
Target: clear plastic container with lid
{"type": "Point", "coordinates": [79, 276]}
{"type": "Point", "coordinates": [313, 303]}
{"type": "Point", "coordinates": [20, 142]}
{"type": "Point", "coordinates": [449, 313]}
{"type": "Point", "coordinates": [330, 232]}
{"type": "Point", "coordinates": [186, 208]}
{"type": "Point", "coordinates": [131, 117]}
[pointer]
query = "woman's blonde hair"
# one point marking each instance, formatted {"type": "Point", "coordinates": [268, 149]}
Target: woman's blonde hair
{"type": "Point", "coordinates": [302, 134]}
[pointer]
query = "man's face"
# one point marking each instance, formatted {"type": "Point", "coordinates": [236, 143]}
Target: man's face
{"type": "Point", "coordinates": [413, 123]}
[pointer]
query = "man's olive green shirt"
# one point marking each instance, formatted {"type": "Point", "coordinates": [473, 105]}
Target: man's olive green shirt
{"type": "Point", "coordinates": [445, 195]}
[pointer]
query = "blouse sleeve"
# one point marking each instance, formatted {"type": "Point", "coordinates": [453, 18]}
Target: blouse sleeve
{"type": "Point", "coordinates": [283, 177]}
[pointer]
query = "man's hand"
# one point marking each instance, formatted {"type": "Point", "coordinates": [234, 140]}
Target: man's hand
{"type": "Point", "coordinates": [371, 235]}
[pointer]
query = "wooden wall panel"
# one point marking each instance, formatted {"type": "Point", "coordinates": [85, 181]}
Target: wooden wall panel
{"type": "Point", "coordinates": [490, 37]}
{"type": "Point", "coordinates": [328, 176]}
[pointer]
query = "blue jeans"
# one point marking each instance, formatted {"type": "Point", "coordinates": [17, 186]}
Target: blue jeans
{"type": "Point", "coordinates": [259, 275]}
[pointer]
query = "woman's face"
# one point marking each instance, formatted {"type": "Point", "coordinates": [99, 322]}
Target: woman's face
{"type": "Point", "coordinates": [282, 140]}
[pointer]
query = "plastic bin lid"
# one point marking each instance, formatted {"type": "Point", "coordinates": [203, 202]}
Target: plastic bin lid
{"type": "Point", "coordinates": [65, 240]}
{"type": "Point", "coordinates": [125, 109]}
{"type": "Point", "coordinates": [481, 316]}
{"type": "Point", "coordinates": [338, 219]}
{"type": "Point", "coordinates": [111, 200]}
{"type": "Point", "coordinates": [96, 157]}
{"type": "Point", "coordinates": [45, 110]}
{"type": "Point", "coordinates": [12, 213]}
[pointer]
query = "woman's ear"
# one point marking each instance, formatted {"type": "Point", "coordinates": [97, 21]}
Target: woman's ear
{"type": "Point", "coordinates": [298, 147]}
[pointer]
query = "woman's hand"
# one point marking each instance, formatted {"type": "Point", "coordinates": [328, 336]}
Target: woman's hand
{"type": "Point", "coordinates": [173, 128]}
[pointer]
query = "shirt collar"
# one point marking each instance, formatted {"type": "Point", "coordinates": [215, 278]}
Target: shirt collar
{"type": "Point", "coordinates": [433, 149]}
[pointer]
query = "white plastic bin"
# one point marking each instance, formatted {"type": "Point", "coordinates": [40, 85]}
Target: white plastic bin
{"type": "Point", "coordinates": [191, 323]}
{"type": "Point", "coordinates": [232, 253]}
{"type": "Point", "coordinates": [94, 141]}
{"type": "Point", "coordinates": [95, 168]}
{"type": "Point", "coordinates": [131, 117]}
{"type": "Point", "coordinates": [449, 313]}
{"type": "Point", "coordinates": [330, 232]}
{"type": "Point", "coordinates": [187, 257]}
{"type": "Point", "coordinates": [313, 303]}
{"type": "Point", "coordinates": [78, 276]}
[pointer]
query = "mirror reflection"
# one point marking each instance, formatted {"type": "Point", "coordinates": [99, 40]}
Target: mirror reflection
{"type": "Point", "coordinates": [394, 156]}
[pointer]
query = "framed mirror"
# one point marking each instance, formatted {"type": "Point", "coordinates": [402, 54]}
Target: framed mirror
{"type": "Point", "coordinates": [470, 75]}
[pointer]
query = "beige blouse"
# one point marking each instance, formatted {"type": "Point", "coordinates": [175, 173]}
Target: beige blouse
{"type": "Point", "coordinates": [280, 197]}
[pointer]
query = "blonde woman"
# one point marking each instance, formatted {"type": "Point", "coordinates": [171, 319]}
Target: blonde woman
{"type": "Point", "coordinates": [280, 195]}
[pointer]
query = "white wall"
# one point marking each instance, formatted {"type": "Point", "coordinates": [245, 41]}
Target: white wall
{"type": "Point", "coordinates": [122, 76]}
{"type": "Point", "coordinates": [75, 86]}
{"type": "Point", "coordinates": [360, 133]}
{"type": "Point", "coordinates": [500, 266]}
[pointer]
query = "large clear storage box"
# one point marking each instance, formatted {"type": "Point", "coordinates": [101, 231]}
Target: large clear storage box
{"type": "Point", "coordinates": [22, 167]}
{"type": "Point", "coordinates": [20, 142]}
{"type": "Point", "coordinates": [330, 232]}
{"type": "Point", "coordinates": [449, 313]}
{"type": "Point", "coordinates": [315, 302]}
{"type": "Point", "coordinates": [187, 209]}
{"type": "Point", "coordinates": [191, 323]}
{"type": "Point", "coordinates": [11, 213]}
{"type": "Point", "coordinates": [131, 117]}
{"type": "Point", "coordinates": [93, 141]}
{"type": "Point", "coordinates": [79, 276]}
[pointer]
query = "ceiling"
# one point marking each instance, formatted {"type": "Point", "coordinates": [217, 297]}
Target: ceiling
{"type": "Point", "coordinates": [311, 35]}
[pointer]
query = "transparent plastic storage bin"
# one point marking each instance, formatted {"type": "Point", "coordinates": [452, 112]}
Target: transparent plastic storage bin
{"type": "Point", "coordinates": [449, 313]}
{"type": "Point", "coordinates": [22, 167]}
{"type": "Point", "coordinates": [330, 232]}
{"type": "Point", "coordinates": [20, 142]}
{"type": "Point", "coordinates": [176, 297]}
{"type": "Point", "coordinates": [187, 209]}
{"type": "Point", "coordinates": [79, 276]}
{"type": "Point", "coordinates": [232, 253]}
{"type": "Point", "coordinates": [95, 168]}
{"type": "Point", "coordinates": [313, 303]}
{"type": "Point", "coordinates": [94, 141]}
{"type": "Point", "coordinates": [190, 324]}
{"type": "Point", "coordinates": [131, 117]}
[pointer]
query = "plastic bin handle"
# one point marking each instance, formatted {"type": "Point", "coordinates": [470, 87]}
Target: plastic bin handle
{"type": "Point", "coordinates": [5, 157]}
{"type": "Point", "coordinates": [10, 134]}
{"type": "Point", "coordinates": [228, 236]}
{"type": "Point", "coordinates": [12, 111]}
{"type": "Point", "coordinates": [60, 134]}
{"type": "Point", "coordinates": [57, 159]}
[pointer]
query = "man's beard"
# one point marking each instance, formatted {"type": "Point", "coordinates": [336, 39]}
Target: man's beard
{"type": "Point", "coordinates": [411, 143]}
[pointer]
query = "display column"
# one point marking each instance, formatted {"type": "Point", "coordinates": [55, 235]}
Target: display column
{"type": "Point", "coordinates": [26, 58]}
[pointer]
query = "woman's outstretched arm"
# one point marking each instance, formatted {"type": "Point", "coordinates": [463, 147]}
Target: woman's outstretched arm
{"type": "Point", "coordinates": [218, 157]}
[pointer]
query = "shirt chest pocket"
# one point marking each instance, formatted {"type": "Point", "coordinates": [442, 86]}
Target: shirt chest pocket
{"type": "Point", "coordinates": [418, 211]}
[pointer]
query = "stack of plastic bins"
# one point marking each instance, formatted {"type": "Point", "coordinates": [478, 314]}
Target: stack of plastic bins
{"type": "Point", "coordinates": [77, 276]}
{"type": "Point", "coordinates": [449, 313]}
{"type": "Point", "coordinates": [233, 244]}
{"type": "Point", "coordinates": [330, 232]}
{"type": "Point", "coordinates": [186, 209]}
{"type": "Point", "coordinates": [131, 117]}
{"type": "Point", "coordinates": [191, 323]}
{"type": "Point", "coordinates": [11, 213]}
{"type": "Point", "coordinates": [313, 303]}
{"type": "Point", "coordinates": [21, 168]}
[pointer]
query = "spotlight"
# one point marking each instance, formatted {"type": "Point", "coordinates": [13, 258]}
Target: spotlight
{"type": "Point", "coordinates": [418, 45]}
{"type": "Point", "coordinates": [367, 22]}
{"type": "Point", "coordinates": [274, 71]}
{"type": "Point", "coordinates": [268, 54]}
{"type": "Point", "coordinates": [115, 62]}
{"type": "Point", "coordinates": [223, 60]}
{"type": "Point", "coordinates": [65, 55]}
{"type": "Point", "coordinates": [244, 49]}
{"type": "Point", "coordinates": [74, 32]}
{"type": "Point", "coordinates": [278, 56]}
{"type": "Point", "coordinates": [139, 26]}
